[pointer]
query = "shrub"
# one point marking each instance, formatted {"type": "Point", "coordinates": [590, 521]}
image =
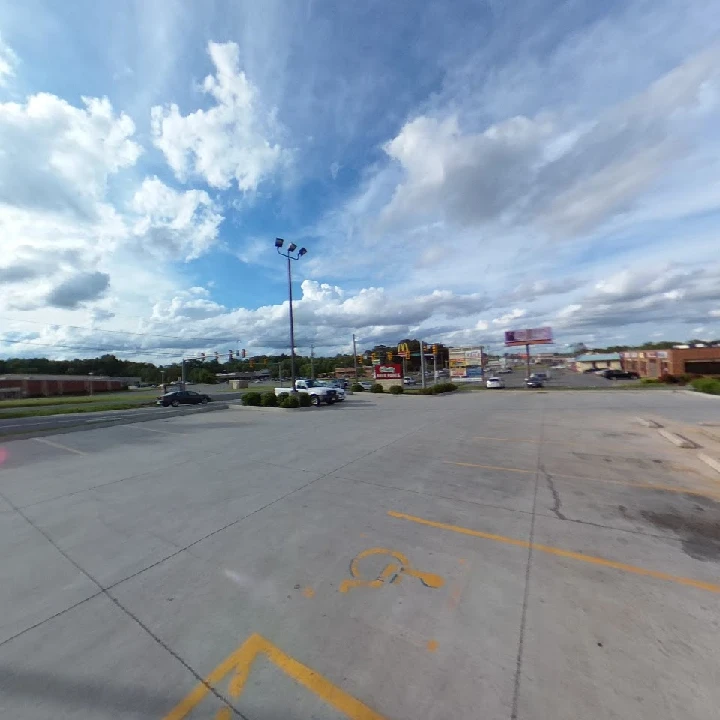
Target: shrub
{"type": "Point", "coordinates": [305, 399]}
{"type": "Point", "coordinates": [396, 389]}
{"type": "Point", "coordinates": [649, 381]}
{"type": "Point", "coordinates": [708, 385]}
{"type": "Point", "coordinates": [268, 399]}
{"type": "Point", "coordinates": [291, 401]}
{"type": "Point", "coordinates": [377, 388]}
{"type": "Point", "coordinates": [357, 387]}
{"type": "Point", "coordinates": [669, 379]}
{"type": "Point", "coordinates": [252, 398]}
{"type": "Point", "coordinates": [445, 387]}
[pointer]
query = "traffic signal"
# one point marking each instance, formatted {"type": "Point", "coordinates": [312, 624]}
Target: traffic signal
{"type": "Point", "coordinates": [389, 358]}
{"type": "Point", "coordinates": [373, 357]}
{"type": "Point", "coordinates": [202, 357]}
{"type": "Point", "coordinates": [252, 363]}
{"type": "Point", "coordinates": [243, 352]}
{"type": "Point", "coordinates": [230, 355]}
{"type": "Point", "coordinates": [360, 359]}
{"type": "Point", "coordinates": [435, 349]}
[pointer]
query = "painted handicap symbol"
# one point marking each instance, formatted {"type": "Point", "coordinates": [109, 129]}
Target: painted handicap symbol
{"type": "Point", "coordinates": [392, 573]}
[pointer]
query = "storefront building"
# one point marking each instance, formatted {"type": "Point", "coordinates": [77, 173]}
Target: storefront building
{"type": "Point", "coordinates": [675, 361]}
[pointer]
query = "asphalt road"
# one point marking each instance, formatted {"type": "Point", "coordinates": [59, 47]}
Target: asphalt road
{"type": "Point", "coordinates": [39, 424]}
{"type": "Point", "coordinates": [480, 555]}
{"type": "Point", "coordinates": [563, 379]}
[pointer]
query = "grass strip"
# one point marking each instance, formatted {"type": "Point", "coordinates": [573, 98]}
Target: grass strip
{"type": "Point", "coordinates": [60, 410]}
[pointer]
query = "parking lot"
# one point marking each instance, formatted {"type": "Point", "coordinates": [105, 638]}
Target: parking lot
{"type": "Point", "coordinates": [478, 555]}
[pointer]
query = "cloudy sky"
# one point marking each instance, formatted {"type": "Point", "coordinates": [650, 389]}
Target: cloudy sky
{"type": "Point", "coordinates": [454, 170]}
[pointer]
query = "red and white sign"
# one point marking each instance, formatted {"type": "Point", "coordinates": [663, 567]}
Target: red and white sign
{"type": "Point", "coordinates": [529, 336]}
{"type": "Point", "coordinates": [386, 371]}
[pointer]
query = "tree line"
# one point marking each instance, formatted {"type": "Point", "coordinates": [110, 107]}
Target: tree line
{"type": "Point", "coordinates": [205, 371]}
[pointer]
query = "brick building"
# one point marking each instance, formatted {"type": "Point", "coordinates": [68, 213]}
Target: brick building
{"type": "Point", "coordinates": [49, 385]}
{"type": "Point", "coordinates": [675, 361]}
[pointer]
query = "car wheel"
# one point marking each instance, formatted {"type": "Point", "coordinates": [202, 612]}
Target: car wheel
{"type": "Point", "coordinates": [204, 401]}
{"type": "Point", "coordinates": [175, 403]}
{"type": "Point", "coordinates": [315, 400]}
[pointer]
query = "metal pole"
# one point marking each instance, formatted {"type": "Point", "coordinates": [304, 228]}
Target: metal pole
{"type": "Point", "coordinates": [434, 368]}
{"type": "Point", "coordinates": [422, 362]}
{"type": "Point", "coordinates": [292, 332]}
{"type": "Point", "coordinates": [355, 358]}
{"type": "Point", "coordinates": [527, 359]}
{"type": "Point", "coordinates": [182, 373]}
{"type": "Point", "coordinates": [312, 361]}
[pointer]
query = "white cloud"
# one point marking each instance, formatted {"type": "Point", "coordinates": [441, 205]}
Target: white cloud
{"type": "Point", "coordinates": [174, 224]}
{"type": "Point", "coordinates": [57, 157]}
{"type": "Point", "coordinates": [8, 62]}
{"type": "Point", "coordinates": [514, 314]}
{"type": "Point", "coordinates": [235, 139]}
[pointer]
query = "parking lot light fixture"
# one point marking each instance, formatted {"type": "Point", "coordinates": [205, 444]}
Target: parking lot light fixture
{"type": "Point", "coordinates": [289, 255]}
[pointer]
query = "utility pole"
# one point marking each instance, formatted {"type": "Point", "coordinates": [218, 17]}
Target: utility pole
{"type": "Point", "coordinates": [182, 373]}
{"type": "Point", "coordinates": [434, 368]}
{"type": "Point", "coordinates": [527, 359]}
{"type": "Point", "coordinates": [312, 361]}
{"type": "Point", "coordinates": [355, 358]}
{"type": "Point", "coordinates": [422, 362]}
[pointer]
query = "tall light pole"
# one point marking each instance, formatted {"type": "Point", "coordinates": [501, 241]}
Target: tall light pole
{"type": "Point", "coordinates": [292, 247]}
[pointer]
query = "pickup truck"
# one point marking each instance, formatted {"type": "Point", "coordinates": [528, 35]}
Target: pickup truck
{"type": "Point", "coordinates": [318, 393]}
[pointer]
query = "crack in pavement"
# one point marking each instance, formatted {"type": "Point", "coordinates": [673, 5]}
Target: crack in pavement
{"type": "Point", "coordinates": [557, 503]}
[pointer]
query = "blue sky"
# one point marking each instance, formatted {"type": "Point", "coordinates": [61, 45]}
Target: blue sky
{"type": "Point", "coordinates": [454, 169]}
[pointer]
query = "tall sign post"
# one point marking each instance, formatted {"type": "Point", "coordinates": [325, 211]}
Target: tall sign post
{"type": "Point", "coordinates": [528, 337]}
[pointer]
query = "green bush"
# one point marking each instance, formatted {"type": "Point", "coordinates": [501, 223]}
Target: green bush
{"type": "Point", "coordinates": [708, 385]}
{"type": "Point", "coordinates": [357, 387]}
{"type": "Point", "coordinates": [305, 399]}
{"type": "Point", "coordinates": [377, 388]}
{"type": "Point", "coordinates": [268, 399]}
{"type": "Point", "coordinates": [253, 399]}
{"type": "Point", "coordinates": [445, 387]}
{"type": "Point", "coordinates": [649, 381]}
{"type": "Point", "coordinates": [396, 389]}
{"type": "Point", "coordinates": [291, 401]}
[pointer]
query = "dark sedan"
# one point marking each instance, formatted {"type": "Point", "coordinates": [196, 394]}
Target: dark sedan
{"type": "Point", "coordinates": [183, 397]}
{"type": "Point", "coordinates": [533, 382]}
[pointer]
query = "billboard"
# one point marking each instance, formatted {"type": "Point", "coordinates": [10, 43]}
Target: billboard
{"type": "Point", "coordinates": [529, 336]}
{"type": "Point", "coordinates": [466, 362]}
{"type": "Point", "coordinates": [388, 371]}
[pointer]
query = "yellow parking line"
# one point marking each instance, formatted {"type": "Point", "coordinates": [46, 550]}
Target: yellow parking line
{"type": "Point", "coordinates": [645, 486]}
{"type": "Point", "coordinates": [701, 585]}
{"type": "Point", "coordinates": [58, 445]}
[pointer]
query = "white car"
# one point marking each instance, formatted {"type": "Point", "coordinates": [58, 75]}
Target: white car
{"type": "Point", "coordinates": [495, 383]}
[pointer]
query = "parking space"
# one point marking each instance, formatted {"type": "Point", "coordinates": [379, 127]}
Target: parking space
{"type": "Point", "coordinates": [502, 555]}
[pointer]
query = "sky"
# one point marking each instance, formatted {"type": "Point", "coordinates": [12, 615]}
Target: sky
{"type": "Point", "coordinates": [453, 169]}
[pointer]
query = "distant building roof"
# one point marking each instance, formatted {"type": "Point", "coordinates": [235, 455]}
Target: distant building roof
{"type": "Point", "coordinates": [600, 357]}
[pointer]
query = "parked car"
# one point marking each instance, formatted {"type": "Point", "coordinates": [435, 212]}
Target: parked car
{"type": "Point", "coordinates": [336, 385]}
{"type": "Point", "coordinates": [366, 385]}
{"type": "Point", "coordinates": [592, 370]}
{"type": "Point", "coordinates": [318, 393]}
{"type": "Point", "coordinates": [183, 397]}
{"type": "Point", "coordinates": [619, 375]}
{"type": "Point", "coordinates": [533, 382]}
{"type": "Point", "coordinates": [543, 377]}
{"type": "Point", "coordinates": [409, 381]}
{"type": "Point", "coordinates": [495, 383]}
{"type": "Point", "coordinates": [505, 371]}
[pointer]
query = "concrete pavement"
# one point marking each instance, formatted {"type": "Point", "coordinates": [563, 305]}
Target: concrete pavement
{"type": "Point", "coordinates": [496, 555]}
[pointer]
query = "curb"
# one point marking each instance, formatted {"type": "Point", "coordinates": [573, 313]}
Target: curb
{"type": "Point", "coordinates": [648, 423]}
{"type": "Point", "coordinates": [712, 462]}
{"type": "Point", "coordinates": [676, 439]}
